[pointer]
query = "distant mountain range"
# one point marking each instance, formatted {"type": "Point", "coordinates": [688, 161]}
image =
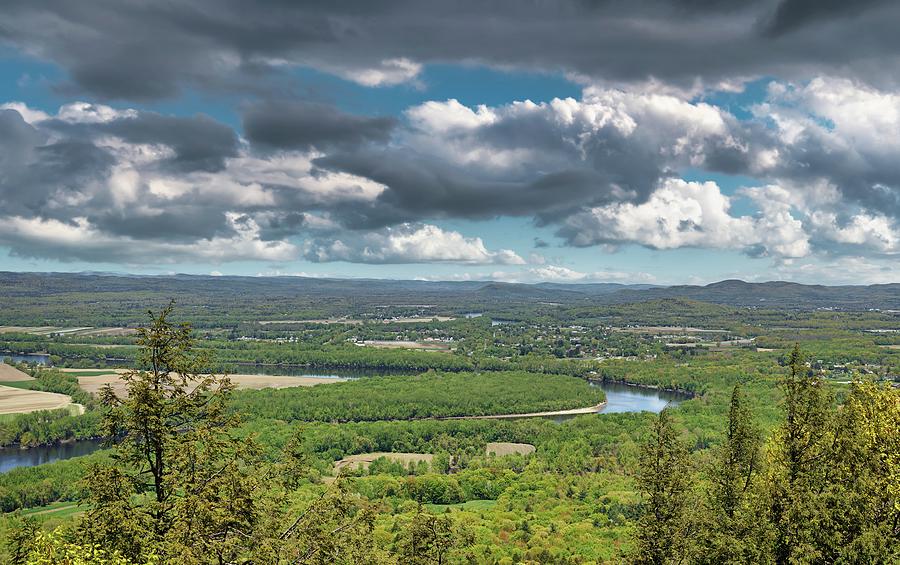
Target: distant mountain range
{"type": "Point", "coordinates": [374, 291]}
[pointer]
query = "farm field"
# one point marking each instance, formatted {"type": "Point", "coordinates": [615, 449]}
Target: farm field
{"type": "Point", "coordinates": [9, 374]}
{"type": "Point", "coordinates": [19, 401]}
{"type": "Point", "coordinates": [424, 346]}
{"type": "Point", "coordinates": [85, 331]}
{"type": "Point", "coordinates": [525, 438]}
{"type": "Point", "coordinates": [94, 382]}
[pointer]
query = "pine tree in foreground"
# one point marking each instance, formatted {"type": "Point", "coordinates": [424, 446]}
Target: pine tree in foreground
{"type": "Point", "coordinates": [663, 532]}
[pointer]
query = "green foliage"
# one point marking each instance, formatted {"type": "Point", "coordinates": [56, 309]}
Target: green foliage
{"type": "Point", "coordinates": [180, 487]}
{"type": "Point", "coordinates": [663, 534]}
{"type": "Point", "coordinates": [27, 487]}
{"type": "Point", "coordinates": [827, 494]}
{"type": "Point", "coordinates": [575, 500]}
{"type": "Point", "coordinates": [431, 539]}
{"type": "Point", "coordinates": [729, 528]}
{"type": "Point", "coordinates": [430, 395]}
{"type": "Point", "coordinates": [48, 426]}
{"type": "Point", "coordinates": [51, 549]}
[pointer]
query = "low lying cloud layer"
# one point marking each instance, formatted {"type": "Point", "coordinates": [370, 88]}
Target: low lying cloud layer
{"type": "Point", "coordinates": [409, 244]}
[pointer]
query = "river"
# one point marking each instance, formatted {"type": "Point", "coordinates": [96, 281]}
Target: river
{"type": "Point", "coordinates": [12, 457]}
{"type": "Point", "coordinates": [620, 397]}
{"type": "Point", "coordinates": [33, 358]}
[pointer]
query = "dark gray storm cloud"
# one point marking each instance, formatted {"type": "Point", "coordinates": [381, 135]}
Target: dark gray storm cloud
{"type": "Point", "coordinates": [199, 143]}
{"type": "Point", "coordinates": [304, 125]}
{"type": "Point", "coordinates": [421, 186]}
{"type": "Point", "coordinates": [137, 50]}
{"type": "Point", "coordinates": [35, 169]}
{"type": "Point", "coordinates": [791, 15]}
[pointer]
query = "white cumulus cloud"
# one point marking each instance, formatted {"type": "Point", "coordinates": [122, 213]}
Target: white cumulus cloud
{"type": "Point", "coordinates": [409, 243]}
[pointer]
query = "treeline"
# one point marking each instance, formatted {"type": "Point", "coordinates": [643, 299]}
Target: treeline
{"type": "Point", "coordinates": [429, 395]}
{"type": "Point", "coordinates": [262, 353]}
{"type": "Point", "coordinates": [27, 487]}
{"type": "Point", "coordinates": [350, 357]}
{"type": "Point", "coordinates": [45, 427]}
{"type": "Point", "coordinates": [822, 489]}
{"type": "Point", "coordinates": [434, 488]}
{"type": "Point", "coordinates": [50, 380]}
{"type": "Point", "coordinates": [67, 352]}
{"type": "Point", "coordinates": [699, 375]}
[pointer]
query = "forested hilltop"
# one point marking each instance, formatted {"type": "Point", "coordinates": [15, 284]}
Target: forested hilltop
{"type": "Point", "coordinates": [119, 300]}
{"type": "Point", "coordinates": [778, 444]}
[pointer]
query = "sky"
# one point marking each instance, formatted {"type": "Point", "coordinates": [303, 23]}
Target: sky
{"type": "Point", "coordinates": [659, 141]}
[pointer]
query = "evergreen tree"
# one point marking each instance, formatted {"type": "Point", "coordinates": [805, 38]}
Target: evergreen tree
{"type": "Point", "coordinates": [799, 464]}
{"type": "Point", "coordinates": [730, 523]}
{"type": "Point", "coordinates": [738, 457]}
{"type": "Point", "coordinates": [664, 529]}
{"type": "Point", "coordinates": [180, 485]}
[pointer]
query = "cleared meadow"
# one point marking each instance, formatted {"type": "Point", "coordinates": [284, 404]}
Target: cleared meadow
{"type": "Point", "coordinates": [501, 448]}
{"type": "Point", "coordinates": [365, 459]}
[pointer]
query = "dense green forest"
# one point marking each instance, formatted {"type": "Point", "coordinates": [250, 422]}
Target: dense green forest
{"type": "Point", "coordinates": [762, 462]}
{"type": "Point", "coordinates": [429, 395]}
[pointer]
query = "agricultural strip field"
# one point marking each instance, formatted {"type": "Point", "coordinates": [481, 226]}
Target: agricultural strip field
{"type": "Point", "coordinates": [93, 382]}
{"type": "Point", "coordinates": [392, 344]}
{"type": "Point", "coordinates": [18, 401]}
{"type": "Point", "coordinates": [86, 331]}
{"type": "Point", "coordinates": [9, 374]}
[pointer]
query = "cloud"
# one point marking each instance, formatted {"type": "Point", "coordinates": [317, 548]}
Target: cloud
{"type": "Point", "coordinates": [791, 15]}
{"type": "Point", "coordinates": [689, 214]}
{"type": "Point", "coordinates": [602, 170]}
{"type": "Point", "coordinates": [299, 125]}
{"type": "Point", "coordinates": [549, 274]}
{"type": "Point", "coordinates": [545, 160]}
{"type": "Point", "coordinates": [676, 215]}
{"type": "Point", "coordinates": [846, 270]}
{"type": "Point", "coordinates": [386, 73]}
{"type": "Point", "coordinates": [144, 51]}
{"type": "Point", "coordinates": [79, 240]}
{"type": "Point", "coordinates": [148, 181]}
{"type": "Point", "coordinates": [409, 243]}
{"type": "Point", "coordinates": [839, 133]}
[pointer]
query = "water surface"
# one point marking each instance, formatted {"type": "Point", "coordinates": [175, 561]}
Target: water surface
{"type": "Point", "coordinates": [33, 358]}
{"type": "Point", "coordinates": [621, 397]}
{"type": "Point", "coordinates": [12, 457]}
